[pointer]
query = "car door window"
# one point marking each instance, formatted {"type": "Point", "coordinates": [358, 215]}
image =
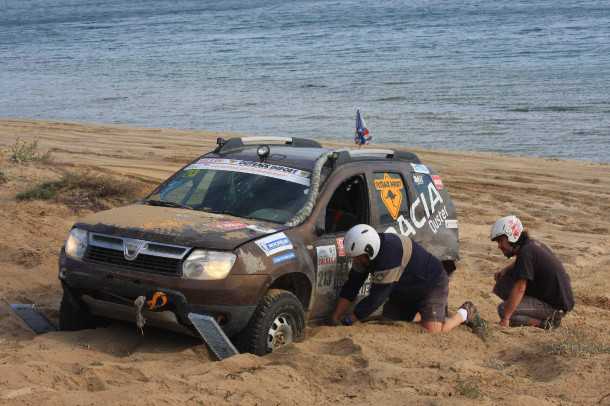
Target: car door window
{"type": "Point", "coordinates": [348, 206]}
{"type": "Point", "coordinates": [390, 197]}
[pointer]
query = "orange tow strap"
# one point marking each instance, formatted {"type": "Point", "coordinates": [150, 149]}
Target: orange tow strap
{"type": "Point", "coordinates": [159, 299]}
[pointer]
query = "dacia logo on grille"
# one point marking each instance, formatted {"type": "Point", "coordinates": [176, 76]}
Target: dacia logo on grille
{"type": "Point", "coordinates": [132, 248]}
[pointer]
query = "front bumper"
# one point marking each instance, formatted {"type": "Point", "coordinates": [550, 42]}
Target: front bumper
{"type": "Point", "coordinates": [110, 293]}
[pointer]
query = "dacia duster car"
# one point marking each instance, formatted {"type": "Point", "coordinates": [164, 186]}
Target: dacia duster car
{"type": "Point", "coordinates": [250, 234]}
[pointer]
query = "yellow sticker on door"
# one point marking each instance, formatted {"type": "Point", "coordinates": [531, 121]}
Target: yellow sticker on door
{"type": "Point", "coordinates": [390, 190]}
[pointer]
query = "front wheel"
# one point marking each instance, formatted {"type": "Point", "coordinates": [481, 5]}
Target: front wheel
{"type": "Point", "coordinates": [73, 314]}
{"type": "Point", "coordinates": [278, 320]}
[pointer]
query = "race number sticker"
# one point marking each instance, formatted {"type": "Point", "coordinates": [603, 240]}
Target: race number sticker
{"type": "Point", "coordinates": [390, 190]}
{"type": "Point", "coordinates": [327, 265]}
{"type": "Point", "coordinates": [420, 168]}
{"type": "Point", "coordinates": [274, 243]}
{"type": "Point", "coordinates": [255, 168]}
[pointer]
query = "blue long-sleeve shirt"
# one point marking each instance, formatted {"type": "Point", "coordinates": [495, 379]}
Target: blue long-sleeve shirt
{"type": "Point", "coordinates": [400, 266]}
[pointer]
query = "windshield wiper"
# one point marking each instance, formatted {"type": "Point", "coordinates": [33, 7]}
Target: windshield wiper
{"type": "Point", "coordinates": [165, 203]}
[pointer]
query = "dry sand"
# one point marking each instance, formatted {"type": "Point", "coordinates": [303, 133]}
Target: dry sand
{"type": "Point", "coordinates": [564, 203]}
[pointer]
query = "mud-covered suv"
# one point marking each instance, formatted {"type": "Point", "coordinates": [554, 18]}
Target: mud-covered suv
{"type": "Point", "coordinates": [252, 235]}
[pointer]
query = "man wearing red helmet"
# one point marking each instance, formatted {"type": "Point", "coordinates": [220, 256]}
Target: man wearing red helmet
{"type": "Point", "coordinates": [535, 288]}
{"type": "Point", "coordinates": [411, 279]}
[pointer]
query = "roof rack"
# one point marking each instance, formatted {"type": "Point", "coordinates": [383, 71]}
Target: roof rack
{"type": "Point", "coordinates": [345, 155]}
{"type": "Point", "coordinates": [388, 153]}
{"type": "Point", "coordinates": [239, 142]}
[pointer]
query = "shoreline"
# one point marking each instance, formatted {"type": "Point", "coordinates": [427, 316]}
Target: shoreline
{"type": "Point", "coordinates": [112, 128]}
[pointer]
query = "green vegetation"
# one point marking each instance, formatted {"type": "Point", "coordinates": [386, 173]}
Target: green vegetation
{"type": "Point", "coordinates": [22, 152]}
{"type": "Point", "coordinates": [3, 178]}
{"type": "Point", "coordinates": [85, 190]}
{"type": "Point", "coordinates": [576, 343]}
{"type": "Point", "coordinates": [468, 389]}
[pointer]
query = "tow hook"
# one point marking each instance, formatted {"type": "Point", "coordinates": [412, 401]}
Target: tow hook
{"type": "Point", "coordinates": [158, 301]}
{"type": "Point", "coordinates": [140, 320]}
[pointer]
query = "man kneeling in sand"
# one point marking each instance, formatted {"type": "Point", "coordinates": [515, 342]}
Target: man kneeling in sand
{"type": "Point", "coordinates": [403, 272]}
{"type": "Point", "coordinates": [535, 288]}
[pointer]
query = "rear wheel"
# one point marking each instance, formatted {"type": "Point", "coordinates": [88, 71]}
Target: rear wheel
{"type": "Point", "coordinates": [278, 320]}
{"type": "Point", "coordinates": [73, 315]}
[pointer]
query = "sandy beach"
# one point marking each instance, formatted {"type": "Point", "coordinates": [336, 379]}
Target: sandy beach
{"type": "Point", "coordinates": [566, 204]}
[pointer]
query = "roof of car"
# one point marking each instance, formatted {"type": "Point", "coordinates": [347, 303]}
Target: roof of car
{"type": "Point", "coordinates": [302, 154]}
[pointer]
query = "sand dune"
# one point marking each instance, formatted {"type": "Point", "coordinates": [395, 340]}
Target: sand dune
{"type": "Point", "coordinates": [564, 203]}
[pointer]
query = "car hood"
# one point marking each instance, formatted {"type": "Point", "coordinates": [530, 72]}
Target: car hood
{"type": "Point", "coordinates": [177, 226]}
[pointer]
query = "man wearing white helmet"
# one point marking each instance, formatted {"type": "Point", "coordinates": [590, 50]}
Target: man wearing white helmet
{"type": "Point", "coordinates": [535, 288]}
{"type": "Point", "coordinates": [402, 272]}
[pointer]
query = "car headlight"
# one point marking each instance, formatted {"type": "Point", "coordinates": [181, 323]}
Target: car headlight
{"type": "Point", "coordinates": [76, 244]}
{"type": "Point", "coordinates": [208, 265]}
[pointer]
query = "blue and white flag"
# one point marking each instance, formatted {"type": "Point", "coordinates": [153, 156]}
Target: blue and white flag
{"type": "Point", "coordinates": [362, 133]}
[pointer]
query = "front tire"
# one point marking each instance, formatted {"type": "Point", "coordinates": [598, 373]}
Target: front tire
{"type": "Point", "coordinates": [278, 320]}
{"type": "Point", "coordinates": [73, 315]}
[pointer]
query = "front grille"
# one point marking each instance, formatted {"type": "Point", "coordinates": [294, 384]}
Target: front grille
{"type": "Point", "coordinates": [150, 256]}
{"type": "Point", "coordinates": [143, 262]}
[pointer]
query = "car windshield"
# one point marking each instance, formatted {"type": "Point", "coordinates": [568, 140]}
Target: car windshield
{"type": "Point", "coordinates": [245, 189]}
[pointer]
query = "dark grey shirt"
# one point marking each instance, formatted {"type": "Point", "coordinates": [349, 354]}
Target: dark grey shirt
{"type": "Point", "coordinates": [547, 279]}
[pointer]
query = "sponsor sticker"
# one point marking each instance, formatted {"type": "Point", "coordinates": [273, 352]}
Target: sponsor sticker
{"type": "Point", "coordinates": [427, 209]}
{"type": "Point", "coordinates": [420, 168]}
{"type": "Point", "coordinates": [327, 257]}
{"type": "Point", "coordinates": [451, 223]}
{"type": "Point", "coordinates": [278, 259]}
{"type": "Point", "coordinates": [256, 168]}
{"type": "Point", "coordinates": [418, 179]}
{"type": "Point", "coordinates": [390, 190]}
{"type": "Point", "coordinates": [229, 225]}
{"type": "Point", "coordinates": [274, 243]}
{"type": "Point", "coordinates": [340, 248]}
{"type": "Point", "coordinates": [438, 182]}
{"type": "Point", "coordinates": [260, 229]}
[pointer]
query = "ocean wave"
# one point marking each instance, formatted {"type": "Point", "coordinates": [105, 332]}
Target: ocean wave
{"type": "Point", "coordinates": [391, 98]}
{"type": "Point", "coordinates": [547, 109]}
{"type": "Point", "coordinates": [530, 30]}
{"type": "Point", "coordinates": [312, 86]}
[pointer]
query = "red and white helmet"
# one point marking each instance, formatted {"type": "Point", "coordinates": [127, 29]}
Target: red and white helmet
{"type": "Point", "coordinates": [510, 226]}
{"type": "Point", "coordinates": [362, 239]}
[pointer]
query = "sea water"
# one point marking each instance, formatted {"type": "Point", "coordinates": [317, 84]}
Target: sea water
{"type": "Point", "coordinates": [520, 77]}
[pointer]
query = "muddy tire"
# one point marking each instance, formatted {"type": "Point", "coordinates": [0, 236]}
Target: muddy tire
{"type": "Point", "coordinates": [73, 314]}
{"type": "Point", "coordinates": [278, 320]}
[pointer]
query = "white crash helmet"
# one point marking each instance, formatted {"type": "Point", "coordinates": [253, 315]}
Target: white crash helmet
{"type": "Point", "coordinates": [510, 226]}
{"type": "Point", "coordinates": [362, 239]}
